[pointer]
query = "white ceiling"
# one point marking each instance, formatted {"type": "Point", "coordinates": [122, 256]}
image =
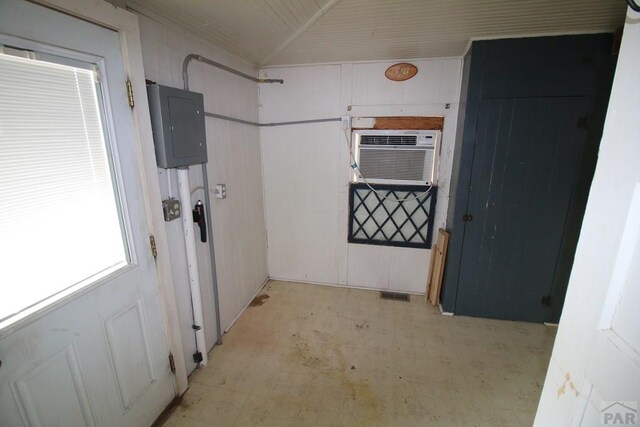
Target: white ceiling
{"type": "Point", "coordinates": [275, 32]}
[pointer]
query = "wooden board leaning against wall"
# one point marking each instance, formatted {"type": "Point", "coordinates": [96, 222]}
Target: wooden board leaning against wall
{"type": "Point", "coordinates": [436, 269]}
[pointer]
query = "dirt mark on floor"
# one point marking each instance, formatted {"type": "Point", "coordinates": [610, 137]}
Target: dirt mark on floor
{"type": "Point", "coordinates": [326, 355]}
{"type": "Point", "coordinates": [302, 353]}
{"type": "Point", "coordinates": [363, 325]}
{"type": "Point", "coordinates": [259, 300]}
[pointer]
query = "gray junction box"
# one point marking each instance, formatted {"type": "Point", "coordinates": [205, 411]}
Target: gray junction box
{"type": "Point", "coordinates": [177, 119]}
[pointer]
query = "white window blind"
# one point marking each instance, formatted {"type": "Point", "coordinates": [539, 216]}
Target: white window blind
{"type": "Point", "coordinates": [60, 225]}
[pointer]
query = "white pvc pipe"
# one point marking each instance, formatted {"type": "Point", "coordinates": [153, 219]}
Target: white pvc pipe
{"type": "Point", "coordinates": [184, 193]}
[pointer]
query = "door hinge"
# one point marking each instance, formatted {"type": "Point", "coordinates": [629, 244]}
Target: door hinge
{"type": "Point", "coordinates": [467, 217]}
{"type": "Point", "coordinates": [154, 248]}
{"type": "Point", "coordinates": [130, 93]}
{"type": "Point", "coordinates": [197, 357]}
{"type": "Point", "coordinates": [172, 363]}
{"type": "Point", "coordinates": [546, 300]}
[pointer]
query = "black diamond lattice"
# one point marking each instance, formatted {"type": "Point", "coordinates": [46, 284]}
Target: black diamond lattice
{"type": "Point", "coordinates": [376, 218]}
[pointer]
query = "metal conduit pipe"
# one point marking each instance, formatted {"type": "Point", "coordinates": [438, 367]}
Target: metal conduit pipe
{"type": "Point", "coordinates": [212, 254]}
{"type": "Point", "coordinates": [200, 58]}
{"type": "Point", "coordinates": [246, 122]}
{"type": "Point", "coordinates": [205, 178]}
{"type": "Point", "coordinates": [194, 56]}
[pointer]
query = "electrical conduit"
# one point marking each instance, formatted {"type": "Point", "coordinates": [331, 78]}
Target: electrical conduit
{"type": "Point", "coordinates": [184, 193]}
{"type": "Point", "coordinates": [185, 81]}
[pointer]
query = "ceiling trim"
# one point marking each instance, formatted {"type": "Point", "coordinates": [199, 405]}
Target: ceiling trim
{"type": "Point", "coordinates": [371, 61]}
{"type": "Point", "coordinates": [528, 35]}
{"type": "Point", "coordinates": [315, 18]}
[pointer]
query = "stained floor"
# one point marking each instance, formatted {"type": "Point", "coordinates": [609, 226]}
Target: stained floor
{"type": "Point", "coordinates": [307, 355]}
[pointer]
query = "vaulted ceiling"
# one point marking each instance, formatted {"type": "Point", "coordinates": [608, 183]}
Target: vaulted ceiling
{"type": "Point", "coordinates": [274, 32]}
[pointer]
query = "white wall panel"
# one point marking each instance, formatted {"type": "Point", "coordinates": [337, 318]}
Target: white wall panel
{"type": "Point", "coordinates": [302, 210]}
{"type": "Point", "coordinates": [234, 159]}
{"type": "Point", "coordinates": [368, 266]}
{"type": "Point", "coordinates": [408, 269]}
{"type": "Point", "coordinates": [432, 84]}
{"type": "Point", "coordinates": [306, 168]}
{"type": "Point", "coordinates": [307, 93]}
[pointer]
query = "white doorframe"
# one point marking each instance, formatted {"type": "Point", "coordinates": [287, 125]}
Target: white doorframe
{"type": "Point", "coordinates": [126, 23]}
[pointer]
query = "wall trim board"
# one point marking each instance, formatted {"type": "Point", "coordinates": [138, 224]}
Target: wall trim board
{"type": "Point", "coordinates": [376, 61]}
{"type": "Point", "coordinates": [345, 286]}
{"type": "Point", "coordinates": [235, 319]}
{"type": "Point", "coordinates": [405, 122]}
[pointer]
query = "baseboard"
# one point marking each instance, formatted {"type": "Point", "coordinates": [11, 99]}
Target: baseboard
{"type": "Point", "coordinates": [235, 319]}
{"type": "Point", "coordinates": [338, 285]}
{"type": "Point", "coordinates": [308, 282]}
{"type": "Point", "coordinates": [444, 313]}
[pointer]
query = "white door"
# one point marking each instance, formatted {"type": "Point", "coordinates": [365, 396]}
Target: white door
{"type": "Point", "coordinates": [594, 373]}
{"type": "Point", "coordinates": [612, 384]}
{"type": "Point", "coordinates": [81, 335]}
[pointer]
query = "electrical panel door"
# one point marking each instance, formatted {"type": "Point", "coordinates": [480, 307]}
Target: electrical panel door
{"type": "Point", "coordinates": [177, 118]}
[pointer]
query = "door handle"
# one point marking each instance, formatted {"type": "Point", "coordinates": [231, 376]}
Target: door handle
{"type": "Point", "coordinates": [467, 217]}
{"type": "Point", "coordinates": [199, 218]}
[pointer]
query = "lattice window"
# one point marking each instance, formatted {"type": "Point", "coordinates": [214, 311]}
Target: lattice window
{"type": "Point", "coordinates": [375, 218]}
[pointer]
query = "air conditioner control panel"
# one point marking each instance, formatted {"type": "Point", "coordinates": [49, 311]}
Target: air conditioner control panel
{"type": "Point", "coordinates": [425, 140]}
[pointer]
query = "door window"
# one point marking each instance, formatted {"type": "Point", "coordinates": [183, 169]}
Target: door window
{"type": "Point", "coordinates": [60, 227]}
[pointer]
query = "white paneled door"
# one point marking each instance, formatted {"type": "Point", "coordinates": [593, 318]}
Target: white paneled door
{"type": "Point", "coordinates": [81, 328]}
{"type": "Point", "coordinates": [594, 373]}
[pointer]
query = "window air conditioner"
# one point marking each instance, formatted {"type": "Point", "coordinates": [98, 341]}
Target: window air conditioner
{"type": "Point", "coordinates": [397, 156]}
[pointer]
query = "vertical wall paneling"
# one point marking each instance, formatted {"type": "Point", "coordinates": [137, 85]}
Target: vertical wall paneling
{"type": "Point", "coordinates": [234, 159]}
{"type": "Point", "coordinates": [306, 168]}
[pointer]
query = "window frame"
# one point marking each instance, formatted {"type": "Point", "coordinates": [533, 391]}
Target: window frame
{"type": "Point", "coordinates": [19, 47]}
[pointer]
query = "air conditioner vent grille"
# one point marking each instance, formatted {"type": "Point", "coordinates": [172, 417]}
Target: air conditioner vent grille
{"type": "Point", "coordinates": [388, 140]}
{"type": "Point", "coordinates": [395, 163]}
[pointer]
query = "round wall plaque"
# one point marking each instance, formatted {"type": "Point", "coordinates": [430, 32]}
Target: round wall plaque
{"type": "Point", "coordinates": [401, 72]}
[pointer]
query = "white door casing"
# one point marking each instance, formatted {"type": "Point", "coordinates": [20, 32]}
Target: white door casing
{"type": "Point", "coordinates": [99, 356]}
{"type": "Point", "coordinates": [594, 373]}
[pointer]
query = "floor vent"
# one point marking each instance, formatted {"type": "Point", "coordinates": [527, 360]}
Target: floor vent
{"type": "Point", "coordinates": [396, 296]}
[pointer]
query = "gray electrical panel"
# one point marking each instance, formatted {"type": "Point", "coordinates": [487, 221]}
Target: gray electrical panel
{"type": "Point", "coordinates": [177, 119]}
